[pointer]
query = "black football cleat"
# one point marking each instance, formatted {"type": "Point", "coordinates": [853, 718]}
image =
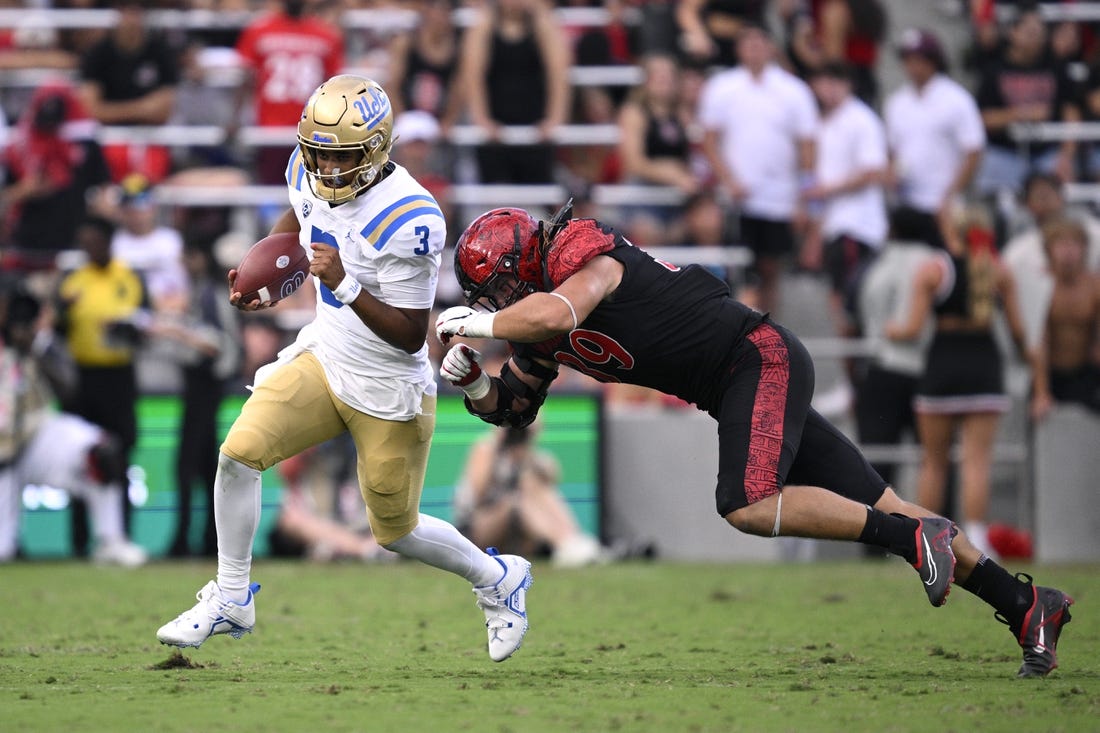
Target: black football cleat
{"type": "Point", "coordinates": [1042, 625]}
{"type": "Point", "coordinates": [935, 559]}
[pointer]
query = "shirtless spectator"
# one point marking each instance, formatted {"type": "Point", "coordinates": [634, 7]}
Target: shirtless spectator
{"type": "Point", "coordinates": [1025, 253]}
{"type": "Point", "coordinates": [1070, 354]}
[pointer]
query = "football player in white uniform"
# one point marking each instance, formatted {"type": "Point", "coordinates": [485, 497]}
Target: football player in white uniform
{"type": "Point", "coordinates": [375, 237]}
{"type": "Point", "coordinates": [39, 446]}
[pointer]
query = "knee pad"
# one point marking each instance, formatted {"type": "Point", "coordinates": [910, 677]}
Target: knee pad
{"type": "Point", "coordinates": [391, 508]}
{"type": "Point", "coordinates": [246, 446]}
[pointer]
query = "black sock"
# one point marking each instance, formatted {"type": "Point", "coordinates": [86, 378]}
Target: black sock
{"type": "Point", "coordinates": [894, 532]}
{"type": "Point", "coordinates": [1007, 594]}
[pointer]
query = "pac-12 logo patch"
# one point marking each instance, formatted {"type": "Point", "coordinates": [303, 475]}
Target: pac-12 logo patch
{"type": "Point", "coordinates": [307, 209]}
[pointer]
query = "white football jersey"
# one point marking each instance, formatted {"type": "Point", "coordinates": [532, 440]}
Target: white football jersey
{"type": "Point", "coordinates": [390, 239]}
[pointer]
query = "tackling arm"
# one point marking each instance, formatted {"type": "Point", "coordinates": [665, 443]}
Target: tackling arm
{"type": "Point", "coordinates": [513, 398]}
{"type": "Point", "coordinates": [538, 316]}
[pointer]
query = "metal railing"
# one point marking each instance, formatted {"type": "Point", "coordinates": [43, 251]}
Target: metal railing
{"type": "Point", "coordinates": [1076, 12]}
{"type": "Point", "coordinates": [228, 77]}
{"type": "Point", "coordinates": [377, 19]}
{"type": "Point", "coordinates": [481, 196]}
{"type": "Point", "coordinates": [1042, 132]}
{"type": "Point", "coordinates": [466, 194]}
{"type": "Point", "coordinates": [461, 135]}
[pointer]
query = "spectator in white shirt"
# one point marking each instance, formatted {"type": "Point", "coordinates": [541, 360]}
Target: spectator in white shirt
{"type": "Point", "coordinates": [759, 124]}
{"type": "Point", "coordinates": [153, 250]}
{"type": "Point", "coordinates": [851, 169]}
{"type": "Point", "coordinates": [934, 131]}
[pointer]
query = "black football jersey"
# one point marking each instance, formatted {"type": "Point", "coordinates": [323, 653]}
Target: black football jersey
{"type": "Point", "coordinates": [669, 328]}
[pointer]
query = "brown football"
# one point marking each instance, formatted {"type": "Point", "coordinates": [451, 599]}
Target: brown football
{"type": "Point", "coordinates": [272, 269]}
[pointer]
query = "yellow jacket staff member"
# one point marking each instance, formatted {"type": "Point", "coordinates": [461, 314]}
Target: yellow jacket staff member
{"type": "Point", "coordinates": [95, 296]}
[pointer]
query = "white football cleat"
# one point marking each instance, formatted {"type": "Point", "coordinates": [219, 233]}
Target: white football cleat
{"type": "Point", "coordinates": [505, 605]}
{"type": "Point", "coordinates": [119, 552]}
{"type": "Point", "coordinates": [213, 614]}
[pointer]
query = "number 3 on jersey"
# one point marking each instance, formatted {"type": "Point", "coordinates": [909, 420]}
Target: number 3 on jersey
{"type": "Point", "coordinates": [316, 235]}
{"type": "Point", "coordinates": [422, 232]}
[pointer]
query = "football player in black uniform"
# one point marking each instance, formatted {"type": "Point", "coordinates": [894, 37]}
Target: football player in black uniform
{"type": "Point", "coordinates": [575, 292]}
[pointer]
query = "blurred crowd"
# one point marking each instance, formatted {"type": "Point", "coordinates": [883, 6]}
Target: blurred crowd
{"type": "Point", "coordinates": [765, 124]}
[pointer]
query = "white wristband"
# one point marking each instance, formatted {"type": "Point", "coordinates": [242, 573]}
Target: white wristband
{"type": "Point", "coordinates": [479, 326]}
{"type": "Point", "coordinates": [347, 291]}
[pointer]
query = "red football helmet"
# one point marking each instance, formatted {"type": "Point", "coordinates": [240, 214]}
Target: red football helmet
{"type": "Point", "coordinates": [497, 258]}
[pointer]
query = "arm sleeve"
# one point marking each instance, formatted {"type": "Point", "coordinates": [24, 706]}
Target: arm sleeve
{"type": "Point", "coordinates": [806, 120]}
{"type": "Point", "coordinates": [407, 275]}
{"type": "Point", "coordinates": [889, 121]}
{"type": "Point", "coordinates": [969, 129]}
{"type": "Point", "coordinates": [168, 64]}
{"type": "Point", "coordinates": [98, 172]}
{"type": "Point", "coordinates": [989, 95]}
{"type": "Point", "coordinates": [871, 153]}
{"type": "Point", "coordinates": [91, 65]}
{"type": "Point", "coordinates": [711, 114]}
{"type": "Point", "coordinates": [246, 47]}
{"type": "Point", "coordinates": [408, 283]}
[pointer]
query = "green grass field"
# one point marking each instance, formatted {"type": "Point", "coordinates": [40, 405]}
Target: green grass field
{"type": "Point", "coordinates": [634, 647]}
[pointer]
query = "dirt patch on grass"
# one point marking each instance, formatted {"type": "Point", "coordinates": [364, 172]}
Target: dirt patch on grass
{"type": "Point", "coordinates": [176, 661]}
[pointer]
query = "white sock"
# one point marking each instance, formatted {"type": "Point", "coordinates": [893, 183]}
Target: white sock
{"type": "Point", "coordinates": [11, 504]}
{"type": "Point", "coordinates": [105, 512]}
{"type": "Point", "coordinates": [437, 543]}
{"type": "Point", "coordinates": [236, 515]}
{"type": "Point", "coordinates": [978, 534]}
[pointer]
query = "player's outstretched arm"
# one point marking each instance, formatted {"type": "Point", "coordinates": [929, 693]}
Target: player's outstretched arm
{"type": "Point", "coordinates": [538, 316]}
{"type": "Point", "coordinates": [513, 398]}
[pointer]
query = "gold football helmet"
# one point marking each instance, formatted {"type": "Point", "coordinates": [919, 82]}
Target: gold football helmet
{"type": "Point", "coordinates": [346, 113]}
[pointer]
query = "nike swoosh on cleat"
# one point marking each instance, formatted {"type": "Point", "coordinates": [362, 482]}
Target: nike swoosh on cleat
{"type": "Point", "coordinates": [928, 556]}
{"type": "Point", "coordinates": [1041, 646]}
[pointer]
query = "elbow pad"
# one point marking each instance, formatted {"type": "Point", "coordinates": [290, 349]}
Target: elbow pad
{"type": "Point", "coordinates": [503, 414]}
{"type": "Point", "coordinates": [510, 387]}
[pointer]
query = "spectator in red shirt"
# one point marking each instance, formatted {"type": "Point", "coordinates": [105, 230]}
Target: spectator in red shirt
{"type": "Point", "coordinates": [289, 52]}
{"type": "Point", "coordinates": [56, 171]}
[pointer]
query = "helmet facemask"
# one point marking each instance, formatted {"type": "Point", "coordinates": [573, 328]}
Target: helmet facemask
{"type": "Point", "coordinates": [500, 290]}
